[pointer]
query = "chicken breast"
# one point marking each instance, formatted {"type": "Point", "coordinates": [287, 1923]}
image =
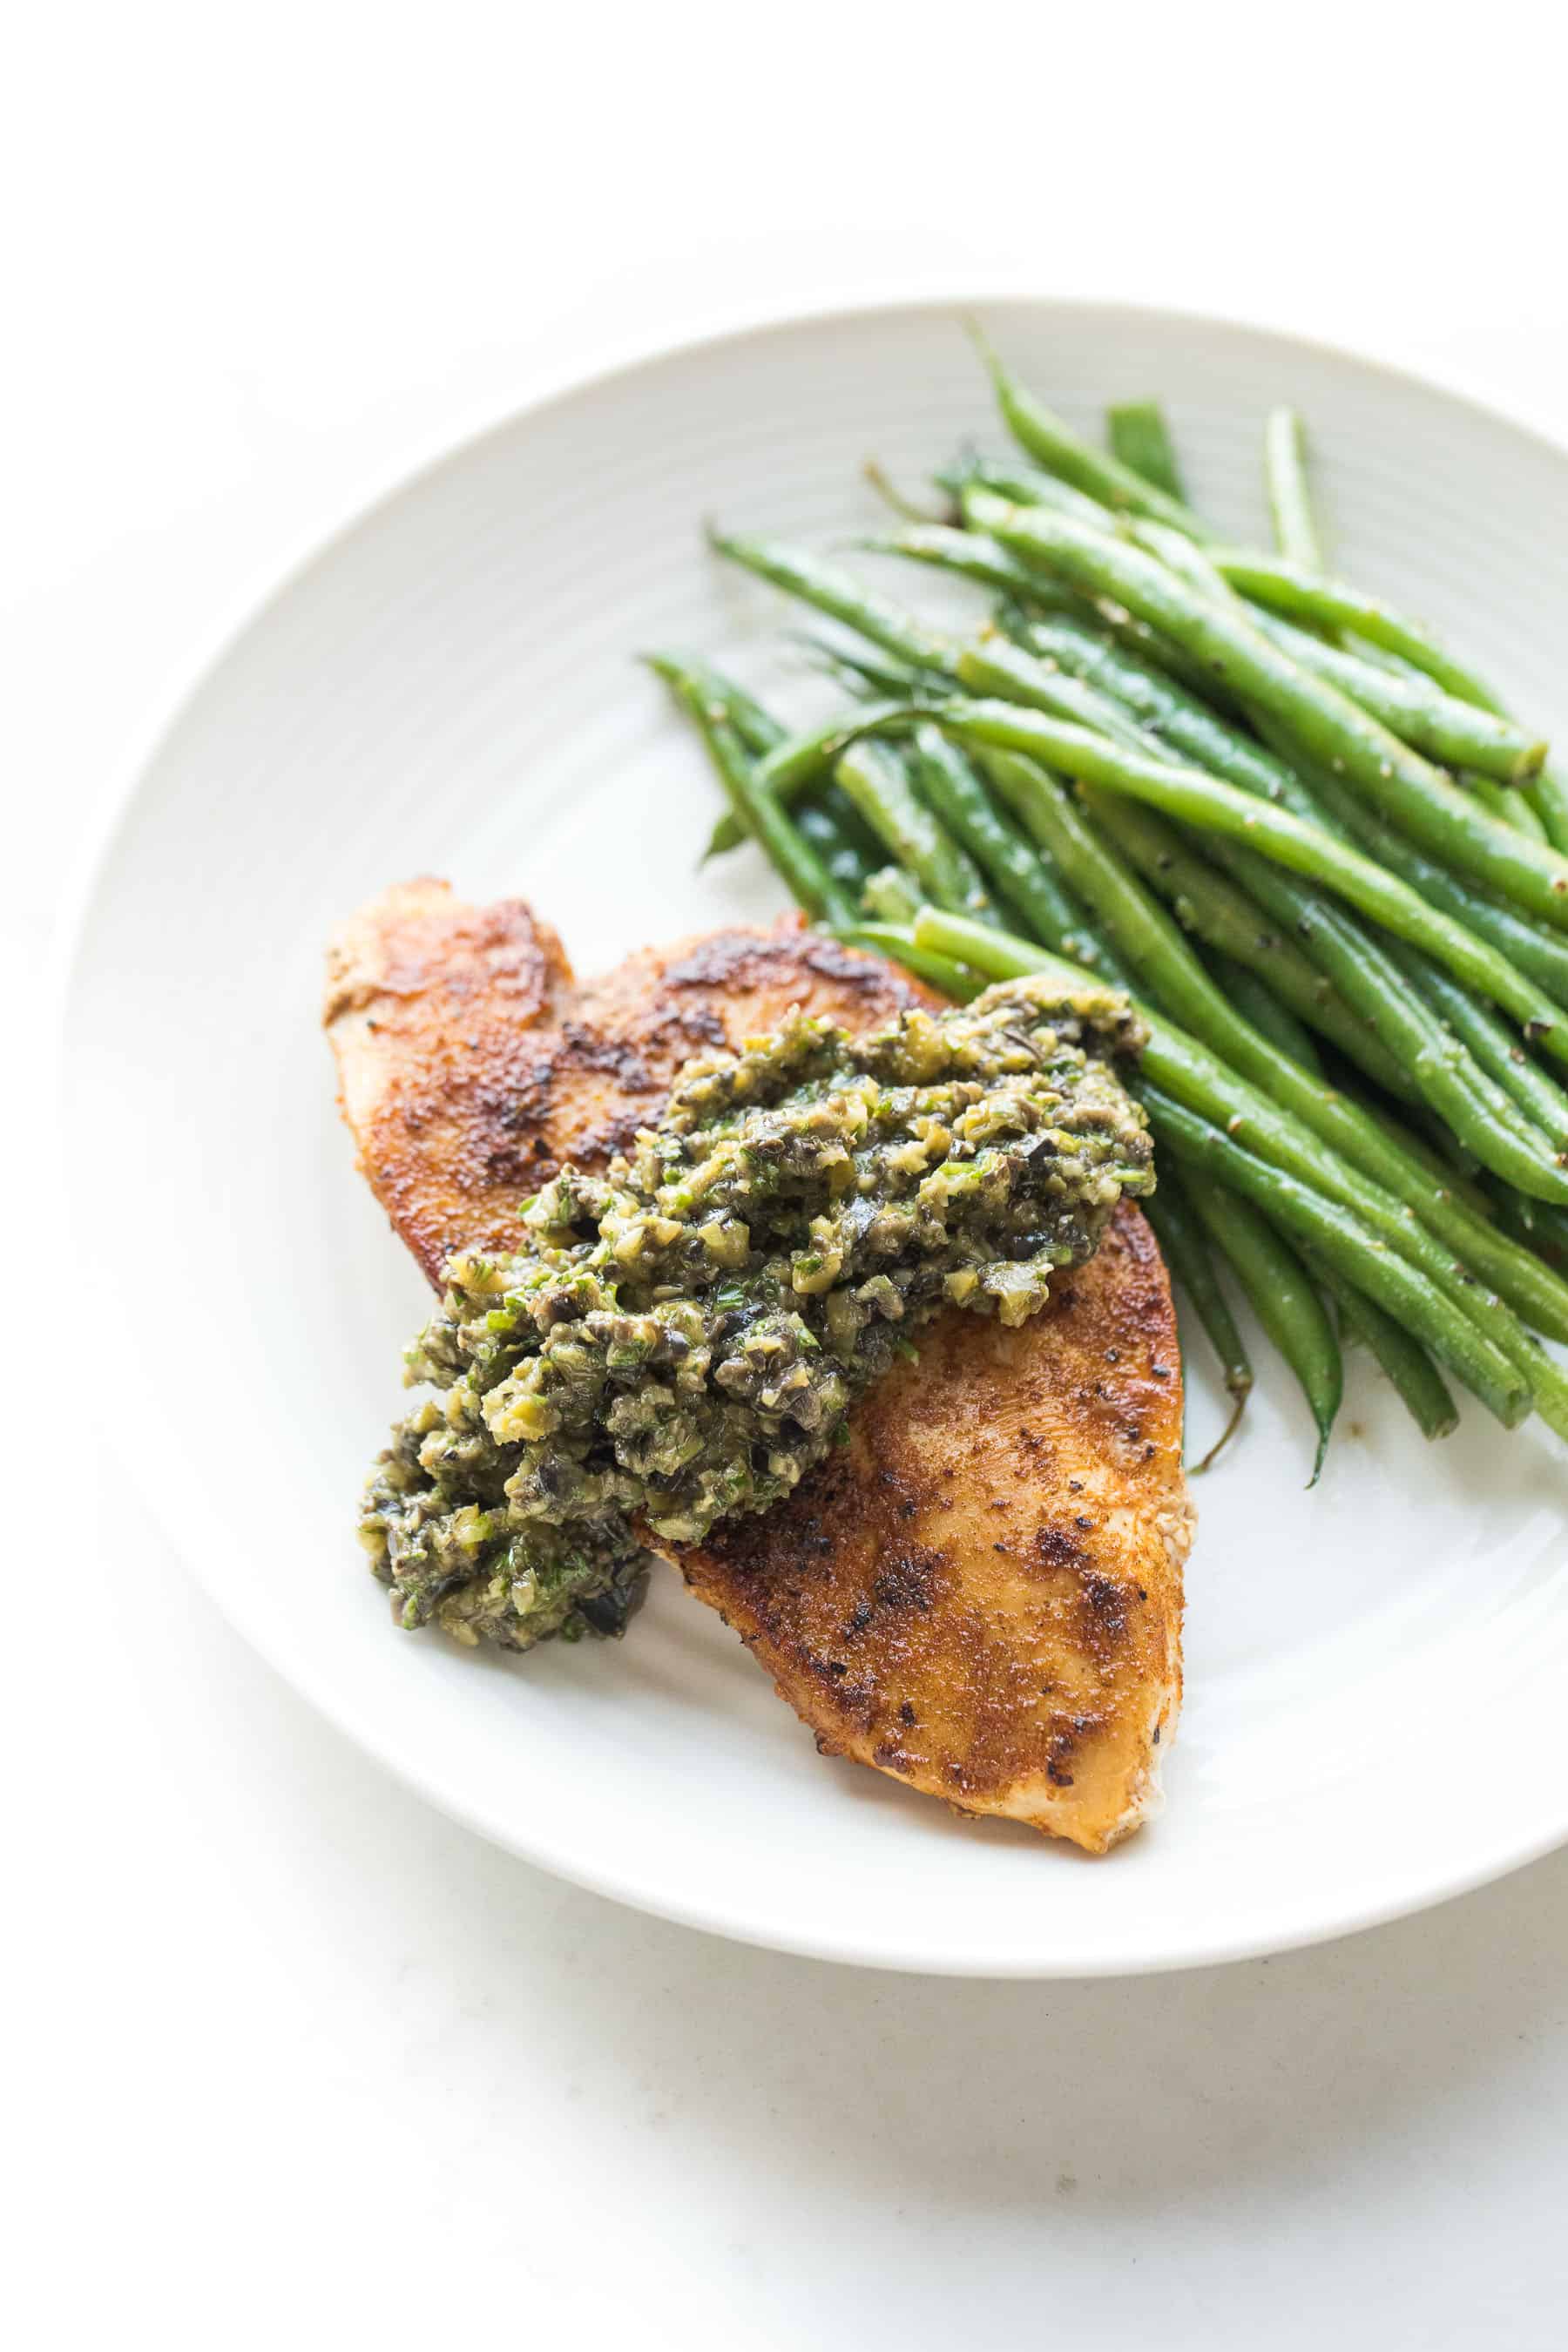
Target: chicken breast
{"type": "Point", "coordinates": [473, 1063]}
{"type": "Point", "coordinates": [980, 1595]}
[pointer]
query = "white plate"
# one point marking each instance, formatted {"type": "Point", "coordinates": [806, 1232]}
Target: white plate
{"type": "Point", "coordinates": [1374, 1670]}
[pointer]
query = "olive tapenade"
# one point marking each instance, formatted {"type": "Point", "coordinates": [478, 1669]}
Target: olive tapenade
{"type": "Point", "coordinates": [682, 1335]}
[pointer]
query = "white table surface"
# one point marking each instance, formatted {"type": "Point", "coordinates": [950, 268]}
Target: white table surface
{"type": "Point", "coordinates": [297, 2060]}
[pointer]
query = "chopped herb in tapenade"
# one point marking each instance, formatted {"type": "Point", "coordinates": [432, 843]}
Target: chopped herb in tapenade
{"type": "Point", "coordinates": [682, 1335]}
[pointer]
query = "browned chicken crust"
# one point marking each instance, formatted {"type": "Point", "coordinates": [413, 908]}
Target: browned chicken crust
{"type": "Point", "coordinates": [473, 1063]}
{"type": "Point", "coordinates": [980, 1595]}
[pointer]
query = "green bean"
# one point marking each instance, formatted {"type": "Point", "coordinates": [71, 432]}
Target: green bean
{"type": "Point", "coordinates": [1379, 656]}
{"type": "Point", "coordinates": [1542, 955]}
{"type": "Point", "coordinates": [1287, 588]}
{"type": "Point", "coordinates": [1140, 439]}
{"type": "Point", "coordinates": [858, 835]}
{"type": "Point", "coordinates": [1140, 935]}
{"type": "Point", "coordinates": [1059, 920]}
{"type": "Point", "coordinates": [802, 761]}
{"type": "Point", "coordinates": [1064, 453]}
{"type": "Point", "coordinates": [898, 946]}
{"type": "Point", "coordinates": [1214, 909]}
{"type": "Point", "coordinates": [1077, 541]}
{"type": "Point", "coordinates": [1406, 1363]}
{"type": "Point", "coordinates": [1520, 1082]}
{"type": "Point", "coordinates": [1289, 499]}
{"type": "Point", "coordinates": [1481, 1112]}
{"type": "Point", "coordinates": [995, 666]}
{"type": "Point", "coordinates": [949, 785]}
{"type": "Point", "coordinates": [871, 678]}
{"type": "Point", "coordinates": [1517, 1215]}
{"type": "Point", "coordinates": [1508, 806]}
{"type": "Point", "coordinates": [1523, 1230]}
{"type": "Point", "coordinates": [821, 828]}
{"type": "Point", "coordinates": [758, 730]}
{"type": "Point", "coordinates": [1517, 1093]}
{"type": "Point", "coordinates": [891, 895]}
{"type": "Point", "coordinates": [1536, 1092]}
{"type": "Point", "coordinates": [1545, 1228]}
{"type": "Point", "coordinates": [1425, 1150]}
{"type": "Point", "coordinates": [1478, 1109]}
{"type": "Point", "coordinates": [1214, 808]}
{"type": "Point", "coordinates": [1171, 712]}
{"type": "Point", "coordinates": [1029, 486]}
{"type": "Point", "coordinates": [1548, 795]}
{"type": "Point", "coordinates": [1456, 732]}
{"type": "Point", "coordinates": [1177, 1061]}
{"type": "Point", "coordinates": [1178, 553]}
{"type": "Point", "coordinates": [1145, 935]}
{"type": "Point", "coordinates": [1446, 1074]}
{"type": "Point", "coordinates": [870, 673]}
{"type": "Point", "coordinates": [1329, 727]}
{"type": "Point", "coordinates": [1179, 720]}
{"type": "Point", "coordinates": [1323, 1136]}
{"type": "Point", "coordinates": [876, 783]}
{"type": "Point", "coordinates": [1522, 808]}
{"type": "Point", "coordinates": [1063, 928]}
{"type": "Point", "coordinates": [1184, 1247]}
{"type": "Point", "coordinates": [758, 812]}
{"type": "Point", "coordinates": [1257, 1002]}
{"type": "Point", "coordinates": [975, 555]}
{"type": "Point", "coordinates": [1147, 939]}
{"type": "Point", "coordinates": [1389, 1280]}
{"type": "Point", "coordinates": [1282, 1295]}
{"type": "Point", "coordinates": [1397, 693]}
{"type": "Point", "coordinates": [1553, 1228]}
{"type": "Point", "coordinates": [792, 857]}
{"type": "Point", "coordinates": [839, 594]}
{"type": "Point", "coordinates": [948, 977]}
{"type": "Point", "coordinates": [972, 554]}
{"type": "Point", "coordinates": [844, 599]}
{"type": "Point", "coordinates": [706, 693]}
{"type": "Point", "coordinates": [1116, 627]}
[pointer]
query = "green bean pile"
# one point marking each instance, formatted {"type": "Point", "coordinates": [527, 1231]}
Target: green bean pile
{"type": "Point", "coordinates": [1329, 867]}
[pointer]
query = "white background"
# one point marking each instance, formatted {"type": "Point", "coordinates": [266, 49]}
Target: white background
{"type": "Point", "coordinates": [297, 2061]}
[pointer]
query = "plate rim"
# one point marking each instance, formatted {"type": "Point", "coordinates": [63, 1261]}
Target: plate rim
{"type": "Point", "coordinates": [86, 882]}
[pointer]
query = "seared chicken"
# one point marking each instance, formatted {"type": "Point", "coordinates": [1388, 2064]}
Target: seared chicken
{"type": "Point", "coordinates": [473, 1064]}
{"type": "Point", "coordinates": [980, 1595]}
